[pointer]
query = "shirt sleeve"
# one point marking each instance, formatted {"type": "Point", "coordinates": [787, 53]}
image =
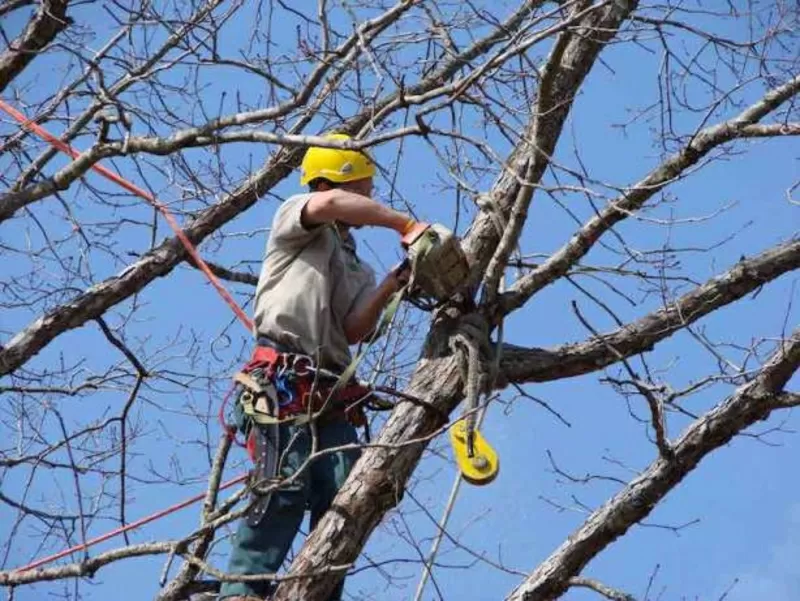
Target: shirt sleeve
{"type": "Point", "coordinates": [287, 226]}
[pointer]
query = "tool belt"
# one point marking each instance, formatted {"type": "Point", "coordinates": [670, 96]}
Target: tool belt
{"type": "Point", "coordinates": [278, 388]}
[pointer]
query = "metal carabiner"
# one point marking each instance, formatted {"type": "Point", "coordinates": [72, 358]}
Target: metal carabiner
{"type": "Point", "coordinates": [305, 362]}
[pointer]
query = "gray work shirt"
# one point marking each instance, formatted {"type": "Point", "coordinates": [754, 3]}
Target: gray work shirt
{"type": "Point", "coordinates": [311, 279]}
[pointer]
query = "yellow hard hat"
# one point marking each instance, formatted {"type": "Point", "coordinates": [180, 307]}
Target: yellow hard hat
{"type": "Point", "coordinates": [335, 164]}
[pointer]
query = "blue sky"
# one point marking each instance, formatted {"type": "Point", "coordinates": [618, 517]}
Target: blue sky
{"type": "Point", "coordinates": [743, 496]}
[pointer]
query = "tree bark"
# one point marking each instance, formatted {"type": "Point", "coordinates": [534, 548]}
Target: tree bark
{"type": "Point", "coordinates": [377, 481]}
{"type": "Point", "coordinates": [750, 403]}
{"type": "Point", "coordinates": [520, 365]}
{"type": "Point", "coordinates": [50, 20]}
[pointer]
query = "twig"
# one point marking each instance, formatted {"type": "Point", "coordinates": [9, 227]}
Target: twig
{"type": "Point", "coordinates": [656, 408]}
{"type": "Point", "coordinates": [602, 589]}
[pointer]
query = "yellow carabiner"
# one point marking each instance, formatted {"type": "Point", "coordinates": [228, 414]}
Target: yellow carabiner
{"type": "Point", "coordinates": [484, 464]}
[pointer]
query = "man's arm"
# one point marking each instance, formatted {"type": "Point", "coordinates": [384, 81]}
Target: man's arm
{"type": "Point", "coordinates": [352, 209]}
{"type": "Point", "coordinates": [361, 322]}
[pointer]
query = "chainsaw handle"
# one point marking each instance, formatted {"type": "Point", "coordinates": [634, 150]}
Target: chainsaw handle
{"type": "Point", "coordinates": [414, 232]}
{"type": "Point", "coordinates": [405, 264]}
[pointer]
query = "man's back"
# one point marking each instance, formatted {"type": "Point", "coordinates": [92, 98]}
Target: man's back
{"type": "Point", "coordinates": [310, 281]}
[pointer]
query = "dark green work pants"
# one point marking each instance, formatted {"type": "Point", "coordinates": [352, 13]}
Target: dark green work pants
{"type": "Point", "coordinates": [262, 549]}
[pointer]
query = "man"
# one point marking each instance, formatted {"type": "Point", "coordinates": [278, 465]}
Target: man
{"type": "Point", "coordinates": [314, 297]}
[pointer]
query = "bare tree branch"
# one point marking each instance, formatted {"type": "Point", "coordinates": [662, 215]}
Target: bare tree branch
{"type": "Point", "coordinates": [230, 275]}
{"type": "Point", "coordinates": [536, 365]}
{"type": "Point", "coordinates": [582, 242]}
{"type": "Point", "coordinates": [655, 404]}
{"type": "Point", "coordinates": [87, 567]}
{"type": "Point", "coordinates": [788, 400]}
{"type": "Point", "coordinates": [750, 403]}
{"type": "Point", "coordinates": [178, 588]}
{"type": "Point", "coordinates": [602, 589]}
{"type": "Point", "coordinates": [50, 20]}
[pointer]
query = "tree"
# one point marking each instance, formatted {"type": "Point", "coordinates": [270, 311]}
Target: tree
{"type": "Point", "coordinates": [110, 357]}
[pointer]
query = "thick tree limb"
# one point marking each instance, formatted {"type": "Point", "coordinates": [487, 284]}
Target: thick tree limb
{"type": "Point", "coordinates": [161, 260]}
{"type": "Point", "coordinates": [50, 20]}
{"type": "Point", "coordinates": [86, 567]}
{"type": "Point", "coordinates": [582, 242]}
{"type": "Point", "coordinates": [750, 403]}
{"type": "Point", "coordinates": [539, 365]}
{"type": "Point", "coordinates": [379, 477]}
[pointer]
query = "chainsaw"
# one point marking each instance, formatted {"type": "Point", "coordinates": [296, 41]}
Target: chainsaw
{"type": "Point", "coordinates": [439, 267]}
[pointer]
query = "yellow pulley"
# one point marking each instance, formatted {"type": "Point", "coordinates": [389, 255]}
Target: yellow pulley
{"type": "Point", "coordinates": [482, 467]}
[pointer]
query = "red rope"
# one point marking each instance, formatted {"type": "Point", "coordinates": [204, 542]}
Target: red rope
{"type": "Point", "coordinates": [141, 522]}
{"type": "Point", "coordinates": [187, 244]}
{"type": "Point", "coordinates": [190, 248]}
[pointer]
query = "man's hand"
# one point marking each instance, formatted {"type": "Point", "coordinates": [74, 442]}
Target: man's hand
{"type": "Point", "coordinates": [360, 323]}
{"type": "Point", "coordinates": [400, 274]}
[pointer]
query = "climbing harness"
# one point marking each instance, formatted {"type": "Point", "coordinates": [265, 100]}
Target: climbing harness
{"type": "Point", "coordinates": [282, 388]}
{"type": "Point", "coordinates": [287, 388]}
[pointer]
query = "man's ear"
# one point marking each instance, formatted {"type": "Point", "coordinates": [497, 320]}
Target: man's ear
{"type": "Point", "coordinates": [319, 186]}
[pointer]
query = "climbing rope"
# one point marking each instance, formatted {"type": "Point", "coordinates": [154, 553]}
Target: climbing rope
{"type": "Point", "coordinates": [133, 525]}
{"type": "Point", "coordinates": [117, 179]}
{"type": "Point", "coordinates": [199, 262]}
{"type": "Point", "coordinates": [476, 460]}
{"type": "Point", "coordinates": [486, 204]}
